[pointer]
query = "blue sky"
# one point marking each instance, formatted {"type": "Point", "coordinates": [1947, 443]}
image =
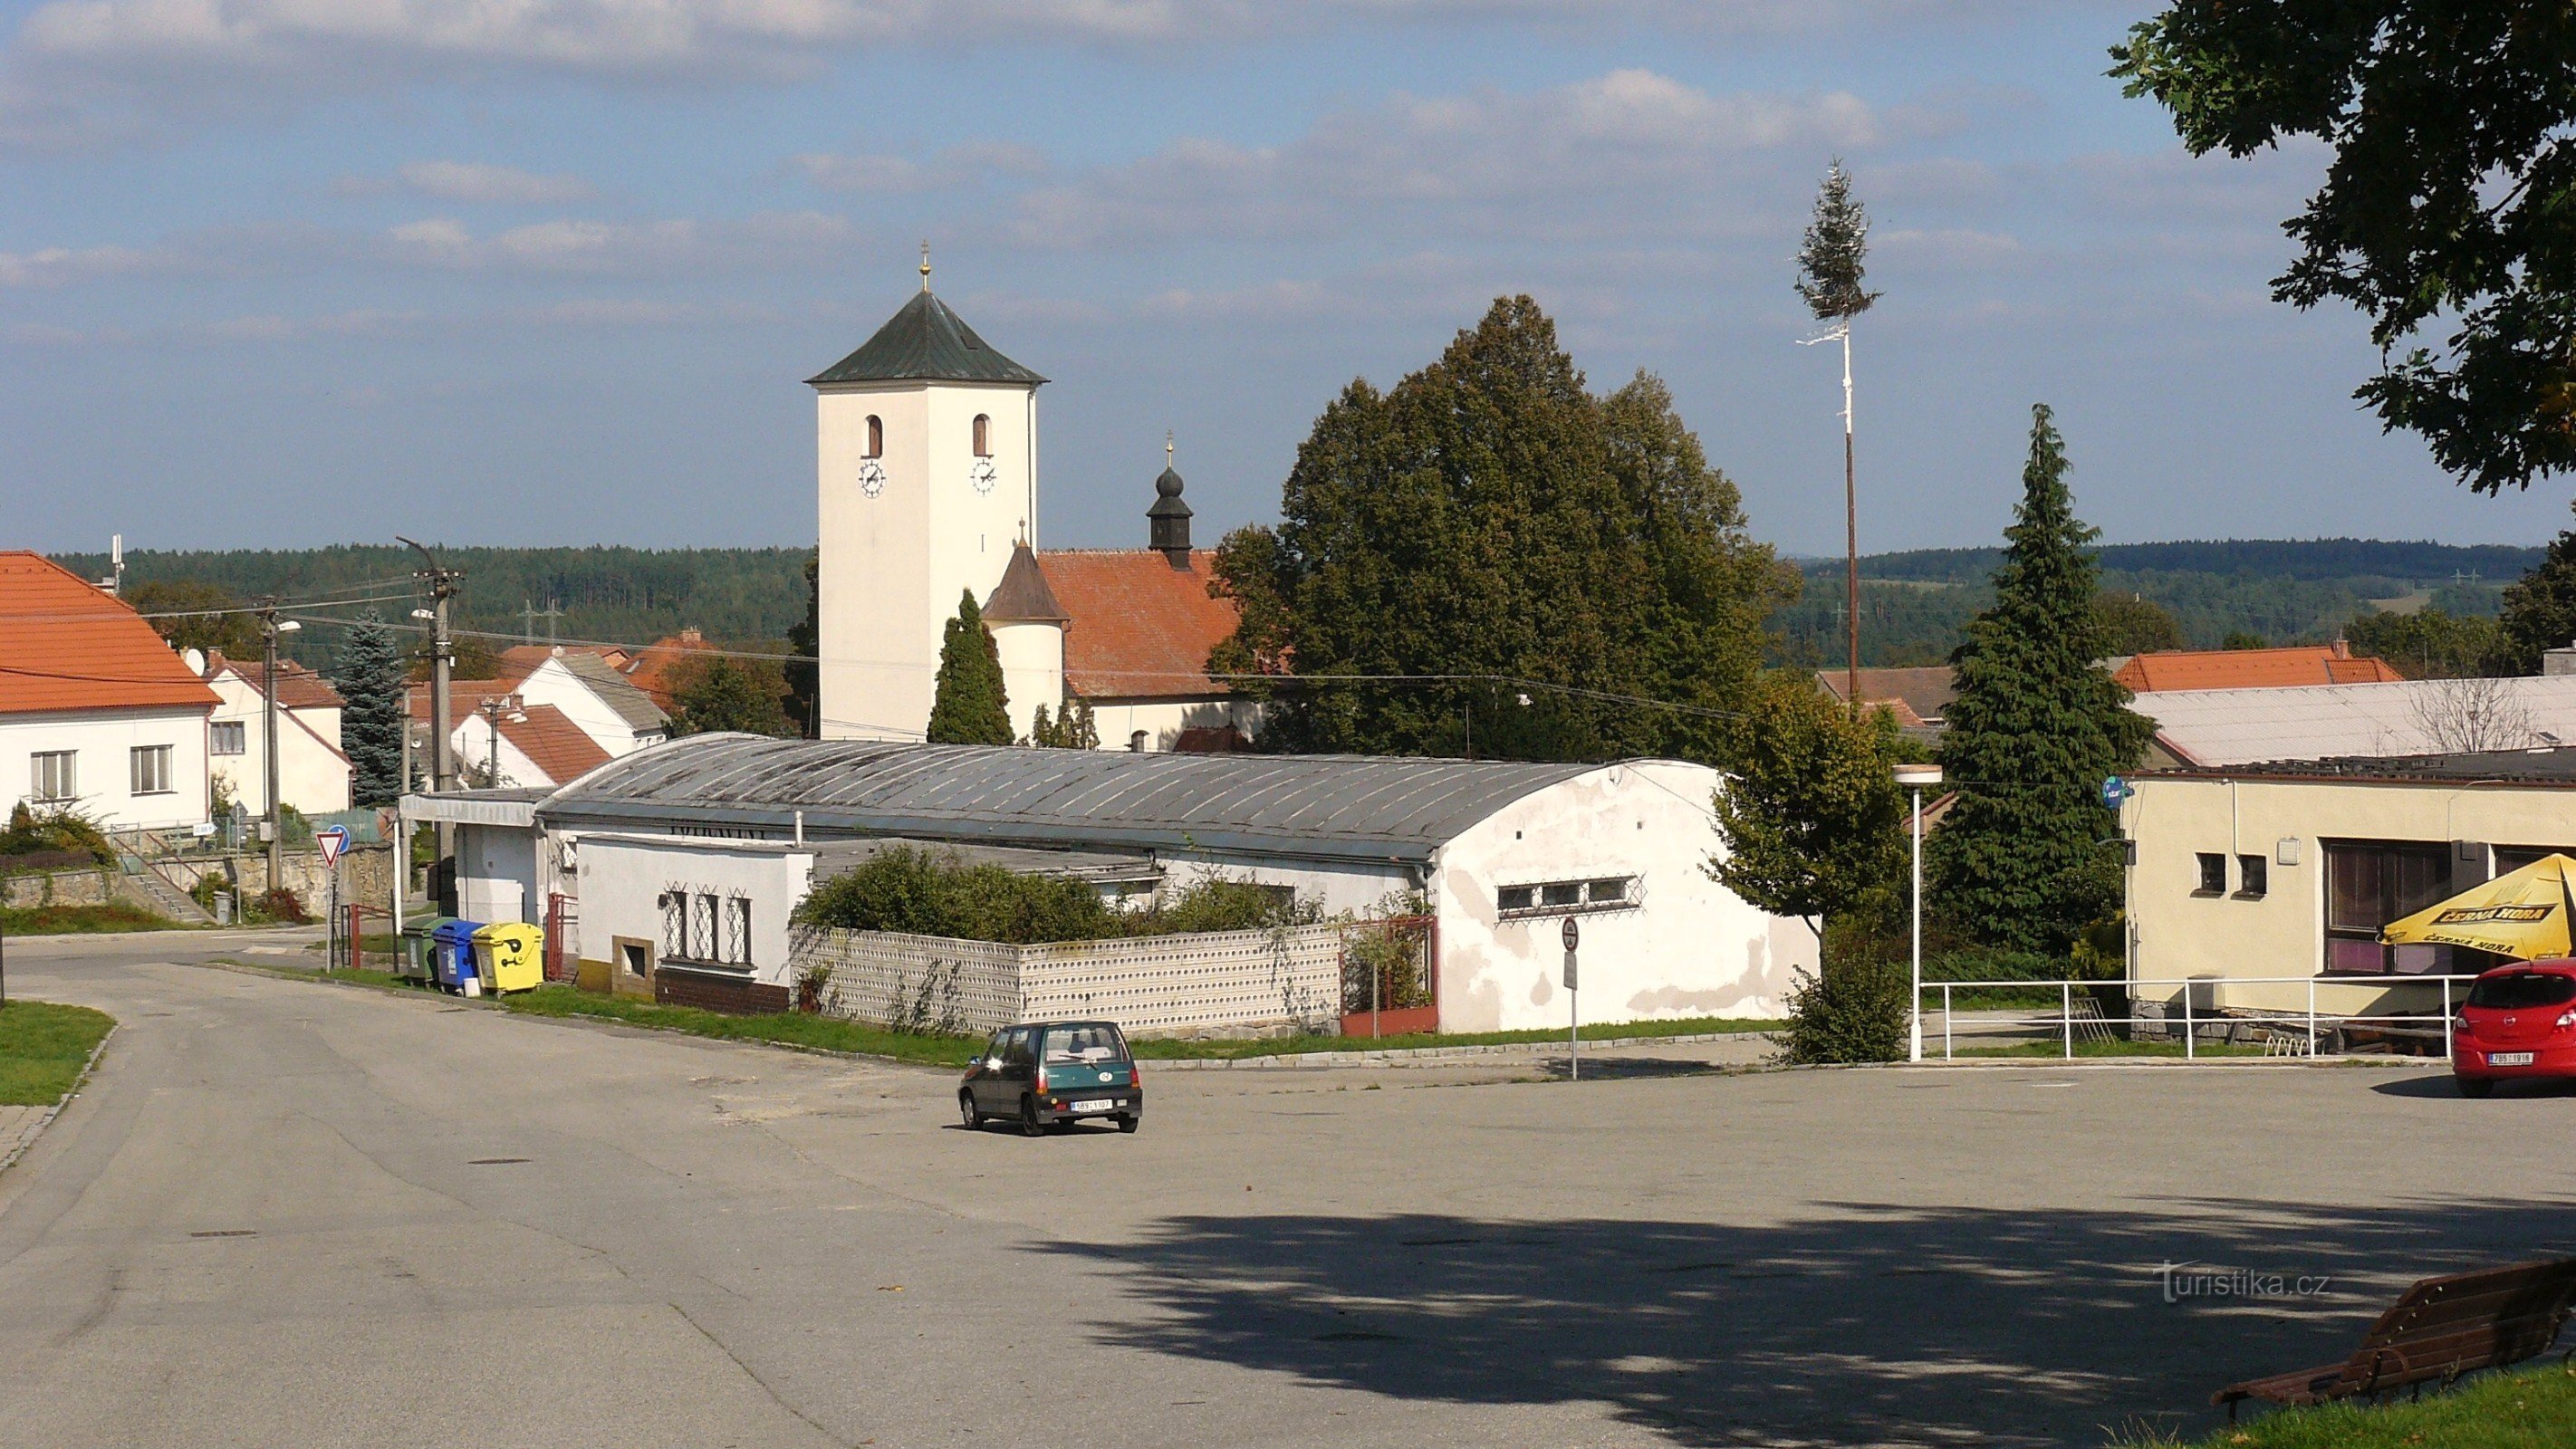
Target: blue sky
{"type": "Point", "coordinates": [287, 272]}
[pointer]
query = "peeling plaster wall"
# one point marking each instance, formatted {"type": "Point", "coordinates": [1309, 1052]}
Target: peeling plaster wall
{"type": "Point", "coordinates": [1689, 948]}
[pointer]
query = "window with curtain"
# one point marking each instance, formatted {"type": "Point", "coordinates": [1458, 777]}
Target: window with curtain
{"type": "Point", "coordinates": [2370, 883]}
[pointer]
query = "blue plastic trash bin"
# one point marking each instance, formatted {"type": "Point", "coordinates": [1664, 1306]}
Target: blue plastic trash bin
{"type": "Point", "coordinates": [453, 942]}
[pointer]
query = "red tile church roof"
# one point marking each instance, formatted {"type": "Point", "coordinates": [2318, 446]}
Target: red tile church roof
{"type": "Point", "coordinates": [1140, 626]}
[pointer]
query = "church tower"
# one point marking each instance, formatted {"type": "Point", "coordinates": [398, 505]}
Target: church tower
{"type": "Point", "coordinates": [925, 450]}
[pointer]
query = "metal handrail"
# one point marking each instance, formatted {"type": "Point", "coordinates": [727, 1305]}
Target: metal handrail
{"type": "Point", "coordinates": [2065, 1018]}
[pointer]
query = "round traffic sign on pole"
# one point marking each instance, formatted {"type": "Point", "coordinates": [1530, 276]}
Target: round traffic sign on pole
{"type": "Point", "coordinates": [1571, 934]}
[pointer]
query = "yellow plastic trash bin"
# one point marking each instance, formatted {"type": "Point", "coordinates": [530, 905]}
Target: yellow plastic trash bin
{"type": "Point", "coordinates": [510, 956]}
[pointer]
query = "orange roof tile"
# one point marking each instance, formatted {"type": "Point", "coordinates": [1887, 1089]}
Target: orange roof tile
{"type": "Point", "coordinates": [1140, 626]}
{"type": "Point", "coordinates": [651, 671]}
{"type": "Point", "coordinates": [552, 742]}
{"type": "Point", "coordinates": [464, 696]}
{"type": "Point", "coordinates": [66, 645]}
{"type": "Point", "coordinates": [2183, 669]}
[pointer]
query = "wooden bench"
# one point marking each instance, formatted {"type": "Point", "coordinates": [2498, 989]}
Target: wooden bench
{"type": "Point", "coordinates": [2443, 1328]}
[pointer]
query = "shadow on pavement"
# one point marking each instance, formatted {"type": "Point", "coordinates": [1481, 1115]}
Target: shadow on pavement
{"type": "Point", "coordinates": [1873, 1325]}
{"type": "Point", "coordinates": [2443, 1086]}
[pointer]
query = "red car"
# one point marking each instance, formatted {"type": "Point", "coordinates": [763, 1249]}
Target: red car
{"type": "Point", "coordinates": [2519, 1021]}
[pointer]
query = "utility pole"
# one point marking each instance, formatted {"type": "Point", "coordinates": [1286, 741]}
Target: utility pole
{"type": "Point", "coordinates": [442, 657]}
{"type": "Point", "coordinates": [1851, 532]}
{"type": "Point", "coordinates": [494, 706]}
{"type": "Point", "coordinates": [269, 628]}
{"type": "Point", "coordinates": [529, 614]}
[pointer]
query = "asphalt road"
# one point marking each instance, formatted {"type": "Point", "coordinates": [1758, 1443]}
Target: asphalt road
{"type": "Point", "coordinates": [292, 1214]}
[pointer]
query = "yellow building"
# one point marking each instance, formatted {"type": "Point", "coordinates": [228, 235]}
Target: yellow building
{"type": "Point", "coordinates": [2264, 886]}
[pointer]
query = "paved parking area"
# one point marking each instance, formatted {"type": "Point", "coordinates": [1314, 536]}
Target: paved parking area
{"type": "Point", "coordinates": [294, 1213]}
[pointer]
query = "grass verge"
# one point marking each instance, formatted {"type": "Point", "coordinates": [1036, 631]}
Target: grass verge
{"type": "Point", "coordinates": [43, 1047]}
{"type": "Point", "coordinates": [1169, 1049]}
{"type": "Point", "coordinates": [826, 1033]}
{"type": "Point", "coordinates": [2532, 1408]}
{"type": "Point", "coordinates": [82, 920]}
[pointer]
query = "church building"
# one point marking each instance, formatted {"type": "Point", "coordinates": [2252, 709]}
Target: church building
{"type": "Point", "coordinates": [927, 479]}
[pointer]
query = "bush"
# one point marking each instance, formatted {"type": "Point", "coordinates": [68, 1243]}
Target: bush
{"type": "Point", "coordinates": [282, 906]}
{"type": "Point", "coordinates": [1983, 963]}
{"type": "Point", "coordinates": [1855, 1011]}
{"type": "Point", "coordinates": [935, 893]}
{"type": "Point", "coordinates": [62, 831]}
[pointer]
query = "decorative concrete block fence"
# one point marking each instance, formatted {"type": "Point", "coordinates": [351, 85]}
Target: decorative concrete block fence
{"type": "Point", "coordinates": [1224, 983]}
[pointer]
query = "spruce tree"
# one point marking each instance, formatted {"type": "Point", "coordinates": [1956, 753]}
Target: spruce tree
{"type": "Point", "coordinates": [2037, 726]}
{"type": "Point", "coordinates": [371, 717]}
{"type": "Point", "coordinates": [2540, 609]}
{"type": "Point", "coordinates": [970, 707]}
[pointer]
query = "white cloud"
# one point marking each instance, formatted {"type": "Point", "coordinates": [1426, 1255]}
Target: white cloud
{"type": "Point", "coordinates": [897, 175]}
{"type": "Point", "coordinates": [60, 266]}
{"type": "Point", "coordinates": [86, 70]}
{"type": "Point", "coordinates": [477, 183]}
{"type": "Point", "coordinates": [1631, 150]}
{"type": "Point", "coordinates": [762, 241]}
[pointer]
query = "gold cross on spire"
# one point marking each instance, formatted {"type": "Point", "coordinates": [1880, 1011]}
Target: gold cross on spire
{"type": "Point", "coordinates": [925, 265]}
{"type": "Point", "coordinates": [1167, 447]}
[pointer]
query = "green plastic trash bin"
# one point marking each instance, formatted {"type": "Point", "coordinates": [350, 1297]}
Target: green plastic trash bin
{"type": "Point", "coordinates": [419, 961]}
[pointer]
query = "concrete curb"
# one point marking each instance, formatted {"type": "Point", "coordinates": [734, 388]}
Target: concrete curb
{"type": "Point", "coordinates": [27, 1135]}
{"type": "Point", "coordinates": [1406, 1056]}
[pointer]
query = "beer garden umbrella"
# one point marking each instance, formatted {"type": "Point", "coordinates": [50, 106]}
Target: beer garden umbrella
{"type": "Point", "coordinates": [2523, 914]}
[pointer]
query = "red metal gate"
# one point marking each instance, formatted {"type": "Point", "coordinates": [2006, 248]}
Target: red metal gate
{"type": "Point", "coordinates": [563, 917]}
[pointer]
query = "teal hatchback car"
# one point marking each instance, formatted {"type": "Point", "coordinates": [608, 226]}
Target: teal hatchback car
{"type": "Point", "coordinates": [1043, 1073]}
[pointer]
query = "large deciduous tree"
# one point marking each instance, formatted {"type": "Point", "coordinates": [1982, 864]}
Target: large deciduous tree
{"type": "Point", "coordinates": [371, 717]}
{"type": "Point", "coordinates": [2447, 207]}
{"type": "Point", "coordinates": [970, 707]}
{"type": "Point", "coordinates": [195, 615]}
{"type": "Point", "coordinates": [1809, 810]}
{"type": "Point", "coordinates": [1489, 516]}
{"type": "Point", "coordinates": [2539, 609]}
{"type": "Point", "coordinates": [713, 692]}
{"type": "Point", "coordinates": [2037, 726]}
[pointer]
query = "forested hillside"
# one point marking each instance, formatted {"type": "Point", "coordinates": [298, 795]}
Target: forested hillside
{"type": "Point", "coordinates": [1912, 603]}
{"type": "Point", "coordinates": [2281, 591]}
{"type": "Point", "coordinates": [620, 595]}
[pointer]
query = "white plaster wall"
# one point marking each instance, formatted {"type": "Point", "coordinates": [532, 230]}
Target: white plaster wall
{"type": "Point", "coordinates": [473, 740]}
{"type": "Point", "coordinates": [552, 683]}
{"type": "Point", "coordinates": [1357, 886]}
{"type": "Point", "coordinates": [622, 880]}
{"type": "Point", "coordinates": [313, 776]}
{"type": "Point", "coordinates": [891, 568]}
{"type": "Point", "coordinates": [496, 875]}
{"type": "Point", "coordinates": [2177, 935]}
{"type": "Point", "coordinates": [1693, 948]}
{"type": "Point", "coordinates": [1032, 671]}
{"type": "Point", "coordinates": [1162, 720]}
{"type": "Point", "coordinates": [103, 771]}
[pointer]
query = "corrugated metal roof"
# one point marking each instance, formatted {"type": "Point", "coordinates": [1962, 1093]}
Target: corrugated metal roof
{"type": "Point", "coordinates": [2547, 766]}
{"type": "Point", "coordinates": [1342, 806]}
{"type": "Point", "coordinates": [2319, 722]}
{"type": "Point", "coordinates": [925, 342]}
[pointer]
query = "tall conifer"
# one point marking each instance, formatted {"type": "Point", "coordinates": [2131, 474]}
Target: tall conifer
{"type": "Point", "coordinates": [2038, 725]}
{"type": "Point", "coordinates": [371, 716]}
{"type": "Point", "coordinates": [970, 707]}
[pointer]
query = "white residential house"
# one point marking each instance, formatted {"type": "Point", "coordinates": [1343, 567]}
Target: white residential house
{"type": "Point", "coordinates": [312, 771]}
{"type": "Point", "coordinates": [599, 701]}
{"type": "Point", "coordinates": [97, 714]}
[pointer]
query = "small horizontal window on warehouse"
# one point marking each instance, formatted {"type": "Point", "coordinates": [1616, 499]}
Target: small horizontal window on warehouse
{"type": "Point", "coordinates": [1556, 898]}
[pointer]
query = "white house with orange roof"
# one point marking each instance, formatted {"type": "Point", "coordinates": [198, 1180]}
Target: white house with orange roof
{"type": "Point", "coordinates": [97, 714]}
{"type": "Point", "coordinates": [312, 773]}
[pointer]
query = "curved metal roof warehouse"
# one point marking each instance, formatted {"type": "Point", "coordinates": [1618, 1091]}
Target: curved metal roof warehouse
{"type": "Point", "coordinates": [1342, 806]}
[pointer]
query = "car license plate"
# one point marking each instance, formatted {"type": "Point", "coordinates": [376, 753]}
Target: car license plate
{"type": "Point", "coordinates": [1094, 1106]}
{"type": "Point", "coordinates": [2508, 1059]}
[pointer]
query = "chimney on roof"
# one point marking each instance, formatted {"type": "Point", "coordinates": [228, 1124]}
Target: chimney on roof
{"type": "Point", "coordinates": [1167, 523]}
{"type": "Point", "coordinates": [2342, 647]}
{"type": "Point", "coordinates": [690, 635]}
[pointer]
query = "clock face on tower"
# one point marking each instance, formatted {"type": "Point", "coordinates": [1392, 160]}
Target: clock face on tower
{"type": "Point", "coordinates": [982, 475]}
{"type": "Point", "coordinates": [871, 478]}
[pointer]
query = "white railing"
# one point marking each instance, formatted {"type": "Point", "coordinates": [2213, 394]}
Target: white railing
{"type": "Point", "coordinates": [2308, 1022]}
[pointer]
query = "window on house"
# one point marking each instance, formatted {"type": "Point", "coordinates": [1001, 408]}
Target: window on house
{"type": "Point", "coordinates": [983, 435]}
{"type": "Point", "coordinates": [735, 947]}
{"type": "Point", "coordinates": [2213, 874]}
{"type": "Point", "coordinates": [52, 775]}
{"type": "Point", "coordinates": [702, 926]}
{"type": "Point", "coordinates": [1552, 898]}
{"type": "Point", "coordinates": [876, 436]}
{"type": "Point", "coordinates": [225, 737]}
{"type": "Point", "coordinates": [675, 923]}
{"type": "Point", "coordinates": [2253, 876]}
{"type": "Point", "coordinates": [2370, 883]}
{"type": "Point", "coordinates": [151, 769]}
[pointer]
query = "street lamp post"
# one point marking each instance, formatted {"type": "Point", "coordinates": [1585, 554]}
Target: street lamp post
{"type": "Point", "coordinates": [1915, 778]}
